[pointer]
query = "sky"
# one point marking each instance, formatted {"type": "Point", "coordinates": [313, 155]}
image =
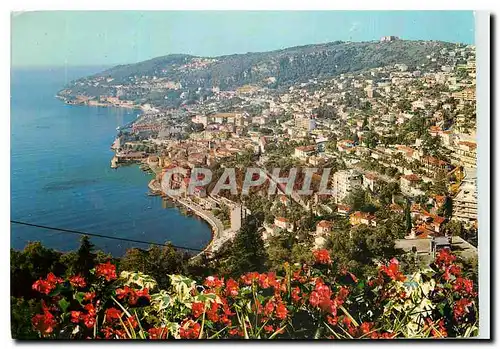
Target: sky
{"type": "Point", "coordinates": [79, 38]}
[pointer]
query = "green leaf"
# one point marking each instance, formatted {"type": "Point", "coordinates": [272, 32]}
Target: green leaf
{"type": "Point", "coordinates": [79, 297]}
{"type": "Point", "coordinates": [64, 304]}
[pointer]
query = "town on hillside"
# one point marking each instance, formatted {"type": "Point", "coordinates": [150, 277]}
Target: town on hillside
{"type": "Point", "coordinates": [401, 141]}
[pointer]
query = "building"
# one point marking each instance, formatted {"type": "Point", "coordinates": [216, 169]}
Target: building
{"type": "Point", "coordinates": [465, 154]}
{"type": "Point", "coordinates": [323, 227]}
{"type": "Point", "coordinates": [305, 123]}
{"type": "Point", "coordinates": [389, 38]}
{"type": "Point", "coordinates": [369, 181]}
{"type": "Point", "coordinates": [358, 217]}
{"type": "Point", "coordinates": [304, 152]}
{"type": "Point", "coordinates": [409, 185]}
{"type": "Point", "coordinates": [344, 182]}
{"type": "Point", "coordinates": [283, 223]}
{"type": "Point", "coordinates": [465, 202]}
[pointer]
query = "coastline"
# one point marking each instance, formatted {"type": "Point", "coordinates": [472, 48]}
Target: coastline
{"type": "Point", "coordinates": [217, 228]}
{"type": "Point", "coordinates": [144, 166]}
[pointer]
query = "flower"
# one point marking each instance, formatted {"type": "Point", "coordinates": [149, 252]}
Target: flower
{"type": "Point", "coordinates": [158, 332]}
{"type": "Point", "coordinates": [248, 278]}
{"type": "Point", "coordinates": [107, 271]}
{"type": "Point", "coordinates": [295, 294]}
{"type": "Point", "coordinates": [197, 308]}
{"type": "Point", "coordinates": [444, 258]}
{"type": "Point", "coordinates": [77, 281]}
{"type": "Point", "coordinates": [232, 288]}
{"type": "Point", "coordinates": [366, 327]}
{"type": "Point", "coordinates": [269, 328]}
{"type": "Point", "coordinates": [461, 307]}
{"type": "Point", "coordinates": [212, 312]}
{"type": "Point", "coordinates": [51, 278]}
{"type": "Point", "coordinates": [463, 285]}
{"type": "Point", "coordinates": [113, 313]}
{"type": "Point", "coordinates": [322, 256]}
{"type": "Point", "coordinates": [88, 296]}
{"type": "Point", "coordinates": [281, 311]}
{"type": "Point", "coordinates": [46, 286]}
{"type": "Point", "coordinates": [392, 270]}
{"type": "Point", "coordinates": [269, 307]}
{"type": "Point", "coordinates": [44, 323]}
{"type": "Point", "coordinates": [189, 329]}
{"type": "Point", "coordinates": [43, 286]}
{"type": "Point", "coordinates": [76, 316]}
{"type": "Point", "coordinates": [132, 321]}
{"type": "Point", "coordinates": [213, 281]}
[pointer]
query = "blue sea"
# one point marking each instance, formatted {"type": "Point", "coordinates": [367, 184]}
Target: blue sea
{"type": "Point", "coordinates": [61, 175]}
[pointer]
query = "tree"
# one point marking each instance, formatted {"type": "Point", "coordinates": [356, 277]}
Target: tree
{"type": "Point", "coordinates": [85, 257]}
{"type": "Point", "coordinates": [408, 222]}
{"type": "Point", "coordinates": [248, 252]}
{"type": "Point", "coordinates": [156, 261]}
{"type": "Point", "coordinates": [440, 186]}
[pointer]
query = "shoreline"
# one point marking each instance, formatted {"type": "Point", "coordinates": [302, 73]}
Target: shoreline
{"type": "Point", "coordinates": [155, 191]}
{"type": "Point", "coordinates": [216, 227]}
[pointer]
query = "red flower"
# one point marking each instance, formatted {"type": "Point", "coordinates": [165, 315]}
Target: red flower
{"type": "Point", "coordinates": [269, 307]}
{"type": "Point", "coordinates": [465, 286]}
{"type": "Point", "coordinates": [461, 307]}
{"type": "Point", "coordinates": [232, 288]}
{"type": "Point", "coordinates": [158, 333]}
{"type": "Point", "coordinates": [51, 278]}
{"type": "Point", "coordinates": [75, 316]}
{"type": "Point", "coordinates": [314, 299]}
{"type": "Point", "coordinates": [269, 328]}
{"type": "Point", "coordinates": [281, 311]}
{"type": "Point", "coordinates": [366, 327]}
{"type": "Point", "coordinates": [108, 332]}
{"type": "Point", "coordinates": [189, 329]}
{"type": "Point", "coordinates": [113, 313]}
{"type": "Point", "coordinates": [132, 321]}
{"type": "Point", "coordinates": [43, 286]}
{"type": "Point", "coordinates": [236, 332]}
{"type": "Point", "coordinates": [88, 296]}
{"type": "Point", "coordinates": [88, 320]}
{"type": "Point", "coordinates": [77, 281]}
{"type": "Point", "coordinates": [197, 309]}
{"type": "Point", "coordinates": [322, 256]}
{"type": "Point", "coordinates": [248, 278]}
{"type": "Point", "coordinates": [295, 294]}
{"type": "Point", "coordinates": [444, 258]}
{"type": "Point", "coordinates": [107, 271]}
{"type": "Point", "coordinates": [144, 293]}
{"type": "Point", "coordinates": [213, 281]}
{"type": "Point", "coordinates": [44, 323]}
{"type": "Point", "coordinates": [392, 270]}
{"type": "Point", "coordinates": [212, 312]}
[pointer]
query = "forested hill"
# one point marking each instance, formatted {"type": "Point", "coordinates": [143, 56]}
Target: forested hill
{"type": "Point", "coordinates": [272, 69]}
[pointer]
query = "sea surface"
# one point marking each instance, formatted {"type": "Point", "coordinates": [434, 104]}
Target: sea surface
{"type": "Point", "coordinates": [61, 176]}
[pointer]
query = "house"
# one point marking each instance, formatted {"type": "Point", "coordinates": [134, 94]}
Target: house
{"type": "Point", "coordinates": [283, 223]}
{"type": "Point", "coordinates": [409, 185]}
{"type": "Point", "coordinates": [358, 217]}
{"type": "Point", "coordinates": [323, 227]}
{"type": "Point", "coordinates": [343, 210]}
{"type": "Point", "coordinates": [304, 152]}
{"type": "Point", "coordinates": [369, 181]}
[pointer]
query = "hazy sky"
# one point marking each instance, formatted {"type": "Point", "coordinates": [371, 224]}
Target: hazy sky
{"type": "Point", "coordinates": [100, 38]}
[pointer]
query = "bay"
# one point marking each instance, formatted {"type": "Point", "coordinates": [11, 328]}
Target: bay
{"type": "Point", "coordinates": [61, 176]}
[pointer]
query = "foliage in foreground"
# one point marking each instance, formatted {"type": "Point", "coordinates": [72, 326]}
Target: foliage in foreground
{"type": "Point", "coordinates": [308, 301]}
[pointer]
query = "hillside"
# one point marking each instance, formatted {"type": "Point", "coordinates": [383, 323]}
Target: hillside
{"type": "Point", "coordinates": [272, 69]}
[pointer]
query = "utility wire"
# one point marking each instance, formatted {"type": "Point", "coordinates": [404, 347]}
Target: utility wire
{"type": "Point", "coordinates": [70, 231]}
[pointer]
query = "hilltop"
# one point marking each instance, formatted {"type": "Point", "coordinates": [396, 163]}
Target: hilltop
{"type": "Point", "coordinates": [165, 78]}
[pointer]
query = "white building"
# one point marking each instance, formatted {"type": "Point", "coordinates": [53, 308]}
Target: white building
{"type": "Point", "coordinates": [465, 202]}
{"type": "Point", "coordinates": [344, 182]}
